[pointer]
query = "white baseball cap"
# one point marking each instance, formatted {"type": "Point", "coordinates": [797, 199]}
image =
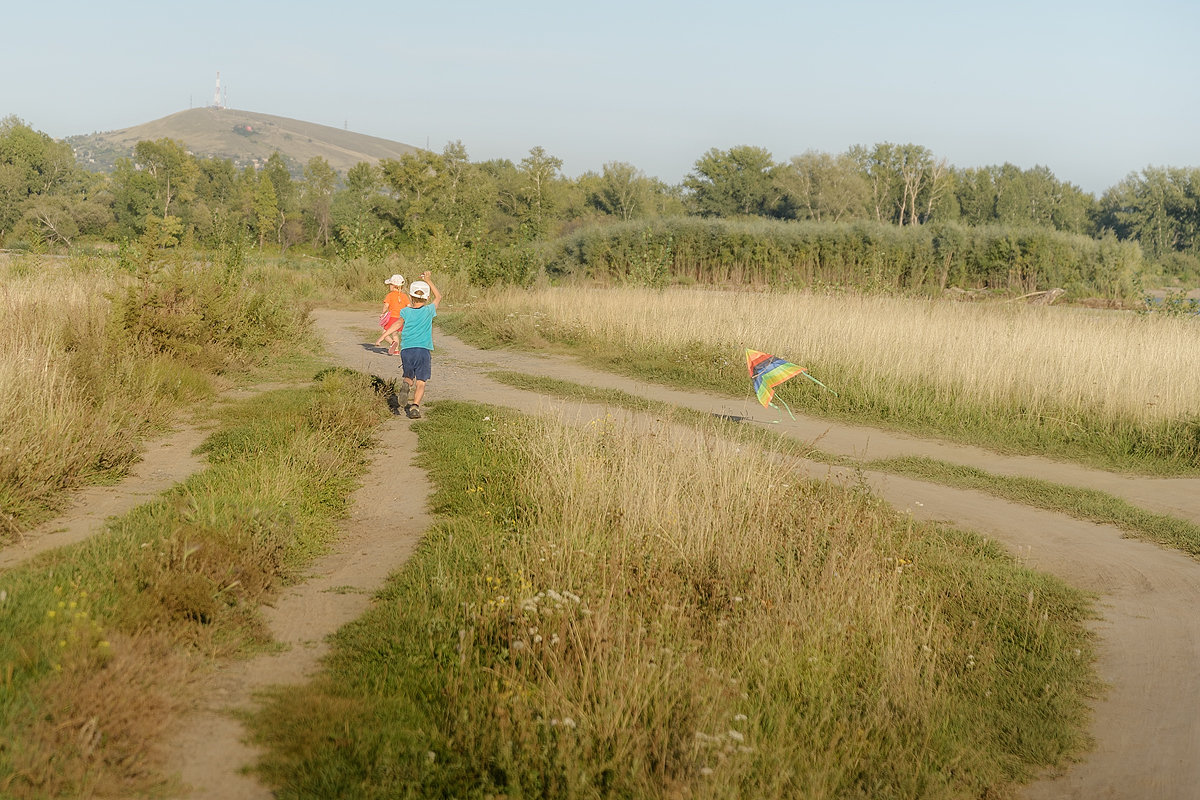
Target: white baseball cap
{"type": "Point", "coordinates": [395, 280]}
{"type": "Point", "coordinates": [419, 290]}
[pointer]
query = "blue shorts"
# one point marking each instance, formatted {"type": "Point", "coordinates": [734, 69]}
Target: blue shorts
{"type": "Point", "coordinates": [416, 362]}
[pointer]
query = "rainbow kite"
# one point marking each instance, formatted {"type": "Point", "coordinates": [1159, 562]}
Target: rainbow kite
{"type": "Point", "coordinates": [768, 371]}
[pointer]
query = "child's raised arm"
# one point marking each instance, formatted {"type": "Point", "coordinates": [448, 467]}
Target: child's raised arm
{"type": "Point", "coordinates": [437, 296]}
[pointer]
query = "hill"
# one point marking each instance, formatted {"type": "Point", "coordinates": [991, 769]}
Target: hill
{"type": "Point", "coordinates": [245, 137]}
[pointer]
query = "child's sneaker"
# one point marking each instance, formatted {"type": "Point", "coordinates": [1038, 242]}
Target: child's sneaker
{"type": "Point", "coordinates": [413, 411]}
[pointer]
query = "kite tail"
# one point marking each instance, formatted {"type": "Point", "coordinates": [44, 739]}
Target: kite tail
{"type": "Point", "coordinates": [818, 383]}
{"type": "Point", "coordinates": [789, 408]}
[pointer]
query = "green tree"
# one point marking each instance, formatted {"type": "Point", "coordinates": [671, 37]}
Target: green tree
{"type": "Point", "coordinates": [277, 171]}
{"type": "Point", "coordinates": [50, 218]}
{"type": "Point", "coordinates": [1160, 208]}
{"type": "Point", "coordinates": [469, 194]}
{"type": "Point", "coordinates": [735, 182]}
{"type": "Point", "coordinates": [623, 191]}
{"type": "Point", "coordinates": [134, 199]}
{"type": "Point", "coordinates": [288, 227]}
{"type": "Point", "coordinates": [32, 165]}
{"type": "Point", "coordinates": [216, 212]}
{"type": "Point", "coordinates": [504, 224]}
{"type": "Point", "coordinates": [173, 169]}
{"type": "Point", "coordinates": [821, 187]}
{"type": "Point", "coordinates": [906, 181]}
{"type": "Point", "coordinates": [1008, 195]}
{"type": "Point", "coordinates": [417, 181]}
{"type": "Point", "coordinates": [539, 170]}
{"type": "Point", "coordinates": [357, 224]}
{"type": "Point", "coordinates": [975, 190]}
{"type": "Point", "coordinates": [316, 194]}
{"type": "Point", "coordinates": [266, 209]}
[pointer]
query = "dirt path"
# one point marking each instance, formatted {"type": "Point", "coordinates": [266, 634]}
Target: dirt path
{"type": "Point", "coordinates": [165, 462]}
{"type": "Point", "coordinates": [1147, 728]}
{"type": "Point", "coordinates": [382, 530]}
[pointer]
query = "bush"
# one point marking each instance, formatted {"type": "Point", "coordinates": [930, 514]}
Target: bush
{"type": "Point", "coordinates": [198, 311]}
{"type": "Point", "coordinates": [517, 265]}
{"type": "Point", "coordinates": [866, 255]}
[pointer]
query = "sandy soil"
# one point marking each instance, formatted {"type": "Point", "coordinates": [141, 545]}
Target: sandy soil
{"type": "Point", "coordinates": [1146, 727]}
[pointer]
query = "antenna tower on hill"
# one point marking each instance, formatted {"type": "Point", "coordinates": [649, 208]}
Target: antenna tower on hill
{"type": "Point", "coordinates": [217, 94]}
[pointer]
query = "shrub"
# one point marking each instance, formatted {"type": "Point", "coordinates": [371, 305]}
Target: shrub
{"type": "Point", "coordinates": [861, 254]}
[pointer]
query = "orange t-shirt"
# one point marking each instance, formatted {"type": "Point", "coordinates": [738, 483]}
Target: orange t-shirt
{"type": "Point", "coordinates": [396, 300]}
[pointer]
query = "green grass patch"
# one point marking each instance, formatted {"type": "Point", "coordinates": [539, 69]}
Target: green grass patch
{"type": "Point", "coordinates": [577, 391]}
{"type": "Point", "coordinates": [1085, 504]}
{"type": "Point", "coordinates": [100, 637]}
{"type": "Point", "coordinates": [604, 614]}
{"type": "Point", "coordinates": [1168, 448]}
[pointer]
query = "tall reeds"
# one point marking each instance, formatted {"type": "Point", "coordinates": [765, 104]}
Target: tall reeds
{"type": "Point", "coordinates": [1044, 374]}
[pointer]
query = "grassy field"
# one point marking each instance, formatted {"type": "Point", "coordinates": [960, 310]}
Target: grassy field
{"type": "Point", "coordinates": [1086, 504]}
{"type": "Point", "coordinates": [1108, 388]}
{"type": "Point", "coordinates": [74, 404]}
{"type": "Point", "coordinates": [578, 625]}
{"type": "Point", "coordinates": [602, 612]}
{"type": "Point", "coordinates": [97, 354]}
{"type": "Point", "coordinates": [102, 638]}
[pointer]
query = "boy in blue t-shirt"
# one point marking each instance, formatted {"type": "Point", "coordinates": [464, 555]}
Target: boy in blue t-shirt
{"type": "Point", "coordinates": [416, 341]}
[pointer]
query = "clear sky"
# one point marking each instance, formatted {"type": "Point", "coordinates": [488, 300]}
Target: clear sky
{"type": "Point", "coordinates": [1093, 90]}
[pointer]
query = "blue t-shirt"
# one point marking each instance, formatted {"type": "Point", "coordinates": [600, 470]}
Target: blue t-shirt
{"type": "Point", "coordinates": [418, 326]}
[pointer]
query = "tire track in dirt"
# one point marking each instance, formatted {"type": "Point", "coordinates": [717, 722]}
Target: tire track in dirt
{"type": "Point", "coordinates": [1146, 727]}
{"type": "Point", "coordinates": [207, 750]}
{"type": "Point", "coordinates": [164, 462]}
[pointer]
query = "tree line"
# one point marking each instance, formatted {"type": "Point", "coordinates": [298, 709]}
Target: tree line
{"type": "Point", "coordinates": [167, 195]}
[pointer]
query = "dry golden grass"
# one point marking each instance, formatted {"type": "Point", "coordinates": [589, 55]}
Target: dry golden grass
{"type": "Point", "coordinates": [100, 721]}
{"type": "Point", "coordinates": [1119, 365]}
{"type": "Point", "coordinates": [74, 400]}
{"type": "Point", "coordinates": [47, 427]}
{"type": "Point", "coordinates": [774, 632]}
{"type": "Point", "coordinates": [644, 610]}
